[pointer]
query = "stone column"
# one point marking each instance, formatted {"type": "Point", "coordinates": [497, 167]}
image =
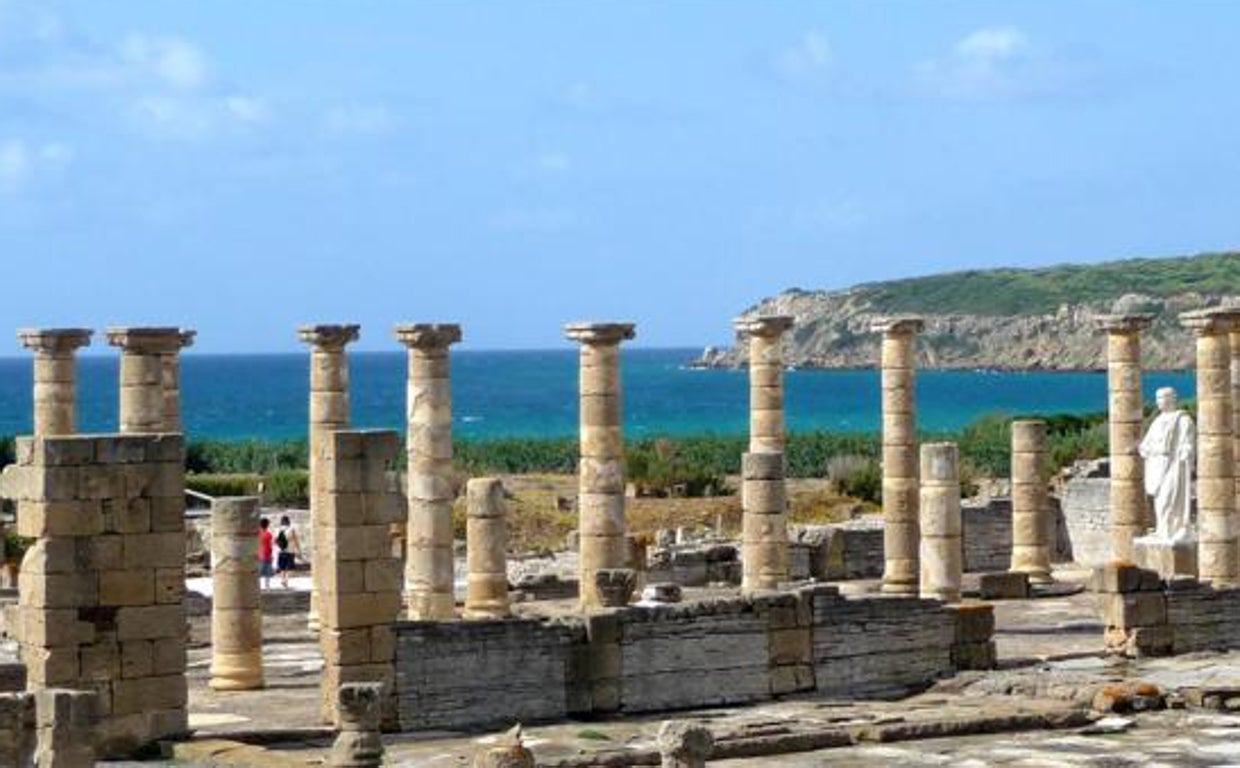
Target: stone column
{"type": "Point", "coordinates": [429, 574]}
{"type": "Point", "coordinates": [766, 380]}
{"type": "Point", "coordinates": [942, 556]}
{"type": "Point", "coordinates": [1031, 525]}
{"type": "Point", "coordinates": [1129, 507]}
{"type": "Point", "coordinates": [900, 489]}
{"type": "Point", "coordinates": [1234, 343]}
{"type": "Point", "coordinates": [329, 410]}
{"type": "Point", "coordinates": [1218, 560]}
{"type": "Point", "coordinates": [486, 545]}
{"type": "Point", "coordinates": [359, 743]}
{"type": "Point", "coordinates": [143, 402]}
{"type": "Point", "coordinates": [66, 723]}
{"type": "Point", "coordinates": [55, 376]}
{"type": "Point", "coordinates": [172, 384]}
{"type": "Point", "coordinates": [236, 603]}
{"type": "Point", "coordinates": [764, 527]}
{"type": "Point", "coordinates": [602, 542]}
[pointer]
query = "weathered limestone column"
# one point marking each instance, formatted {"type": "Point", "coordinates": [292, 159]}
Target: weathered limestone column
{"type": "Point", "coordinates": [683, 744]}
{"type": "Point", "coordinates": [428, 537]}
{"type": "Point", "coordinates": [66, 723]}
{"type": "Point", "coordinates": [172, 384]}
{"type": "Point", "coordinates": [486, 546]}
{"type": "Point", "coordinates": [1031, 530]}
{"type": "Point", "coordinates": [900, 488]}
{"type": "Point", "coordinates": [329, 410]}
{"type": "Point", "coordinates": [1129, 507]}
{"type": "Point", "coordinates": [1234, 343]}
{"type": "Point", "coordinates": [143, 350]}
{"type": "Point", "coordinates": [359, 743]}
{"type": "Point", "coordinates": [1218, 559]}
{"type": "Point", "coordinates": [942, 555]}
{"type": "Point", "coordinates": [602, 525]}
{"type": "Point", "coordinates": [55, 376]}
{"type": "Point", "coordinates": [236, 603]}
{"type": "Point", "coordinates": [766, 380]}
{"type": "Point", "coordinates": [764, 527]}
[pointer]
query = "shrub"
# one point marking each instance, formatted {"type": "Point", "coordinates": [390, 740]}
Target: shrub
{"type": "Point", "coordinates": [858, 476]}
{"type": "Point", "coordinates": [658, 469]}
{"type": "Point", "coordinates": [217, 485]}
{"type": "Point", "coordinates": [288, 488]}
{"type": "Point", "coordinates": [248, 456]}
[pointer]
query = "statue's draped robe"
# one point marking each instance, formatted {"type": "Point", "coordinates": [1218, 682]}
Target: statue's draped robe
{"type": "Point", "coordinates": [1168, 449]}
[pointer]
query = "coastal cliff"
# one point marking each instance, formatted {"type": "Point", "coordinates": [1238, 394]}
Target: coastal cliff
{"type": "Point", "coordinates": [1009, 319]}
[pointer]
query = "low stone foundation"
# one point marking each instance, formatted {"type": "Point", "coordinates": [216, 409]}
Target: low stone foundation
{"type": "Point", "coordinates": [1148, 616]}
{"type": "Point", "coordinates": [649, 659]}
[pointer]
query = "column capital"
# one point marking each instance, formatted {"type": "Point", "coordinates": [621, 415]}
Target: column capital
{"type": "Point", "coordinates": [427, 335]}
{"type": "Point", "coordinates": [898, 325]}
{"type": "Point", "coordinates": [146, 340]}
{"type": "Point", "coordinates": [1205, 322]}
{"type": "Point", "coordinates": [54, 340]}
{"type": "Point", "coordinates": [329, 336]}
{"type": "Point", "coordinates": [599, 333]}
{"type": "Point", "coordinates": [1130, 323]}
{"type": "Point", "coordinates": [763, 325]}
{"type": "Point", "coordinates": [187, 337]}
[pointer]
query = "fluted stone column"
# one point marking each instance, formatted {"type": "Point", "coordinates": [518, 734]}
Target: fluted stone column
{"type": "Point", "coordinates": [1218, 559]}
{"type": "Point", "coordinates": [1031, 530]}
{"type": "Point", "coordinates": [55, 376]}
{"type": "Point", "coordinates": [486, 546]}
{"type": "Point", "coordinates": [236, 602]}
{"type": "Point", "coordinates": [766, 380]}
{"type": "Point", "coordinates": [172, 384]}
{"type": "Point", "coordinates": [1129, 507]}
{"type": "Point", "coordinates": [329, 410]}
{"type": "Point", "coordinates": [900, 488]}
{"type": "Point", "coordinates": [602, 543]}
{"type": "Point", "coordinates": [429, 572]}
{"type": "Point", "coordinates": [942, 556]}
{"type": "Point", "coordinates": [764, 523]}
{"type": "Point", "coordinates": [143, 402]}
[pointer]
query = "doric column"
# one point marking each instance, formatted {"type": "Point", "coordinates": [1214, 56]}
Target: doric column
{"type": "Point", "coordinates": [143, 403]}
{"type": "Point", "coordinates": [329, 410]}
{"type": "Point", "coordinates": [766, 380]}
{"type": "Point", "coordinates": [55, 376]}
{"type": "Point", "coordinates": [764, 525]}
{"type": "Point", "coordinates": [942, 558]}
{"type": "Point", "coordinates": [429, 573]}
{"type": "Point", "coordinates": [900, 526]}
{"type": "Point", "coordinates": [1129, 515]}
{"type": "Point", "coordinates": [1218, 560]}
{"type": "Point", "coordinates": [236, 602]}
{"type": "Point", "coordinates": [172, 384]}
{"type": "Point", "coordinates": [602, 529]}
{"type": "Point", "coordinates": [1031, 544]}
{"type": "Point", "coordinates": [486, 546]}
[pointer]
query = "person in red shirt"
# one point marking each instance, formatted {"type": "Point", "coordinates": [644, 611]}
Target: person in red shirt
{"type": "Point", "coordinates": [266, 548]}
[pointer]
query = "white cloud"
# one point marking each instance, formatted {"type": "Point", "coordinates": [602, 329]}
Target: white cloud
{"type": "Point", "coordinates": [554, 162]}
{"type": "Point", "coordinates": [993, 63]}
{"type": "Point", "coordinates": [175, 61]}
{"type": "Point", "coordinates": [992, 44]}
{"type": "Point", "coordinates": [808, 59]}
{"type": "Point", "coordinates": [22, 162]}
{"type": "Point", "coordinates": [359, 120]}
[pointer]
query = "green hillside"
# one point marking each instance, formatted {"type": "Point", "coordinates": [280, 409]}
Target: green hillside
{"type": "Point", "coordinates": [1036, 291]}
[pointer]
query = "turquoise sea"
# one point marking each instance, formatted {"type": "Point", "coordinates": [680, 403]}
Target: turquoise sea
{"type": "Point", "coordinates": [533, 394]}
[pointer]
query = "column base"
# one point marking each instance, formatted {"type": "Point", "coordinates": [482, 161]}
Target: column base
{"type": "Point", "coordinates": [430, 607]}
{"type": "Point", "coordinates": [1036, 575]}
{"type": "Point", "coordinates": [898, 588]}
{"type": "Point", "coordinates": [237, 672]}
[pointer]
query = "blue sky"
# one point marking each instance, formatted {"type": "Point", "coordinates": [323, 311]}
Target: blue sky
{"type": "Point", "coordinates": [242, 167]}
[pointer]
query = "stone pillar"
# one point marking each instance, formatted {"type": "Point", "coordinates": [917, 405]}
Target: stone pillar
{"type": "Point", "coordinates": [602, 528]}
{"type": "Point", "coordinates": [900, 489]}
{"type": "Point", "coordinates": [55, 376]}
{"type": "Point", "coordinates": [236, 603]}
{"type": "Point", "coordinates": [684, 745]}
{"type": "Point", "coordinates": [764, 528]}
{"type": "Point", "coordinates": [1031, 525]}
{"type": "Point", "coordinates": [942, 556]}
{"type": "Point", "coordinates": [766, 380]}
{"type": "Point", "coordinates": [1129, 507]}
{"type": "Point", "coordinates": [429, 574]}
{"type": "Point", "coordinates": [66, 722]}
{"type": "Point", "coordinates": [143, 402]}
{"type": "Point", "coordinates": [486, 545]}
{"type": "Point", "coordinates": [1234, 343]}
{"type": "Point", "coordinates": [172, 384]}
{"type": "Point", "coordinates": [1218, 560]}
{"type": "Point", "coordinates": [358, 744]}
{"type": "Point", "coordinates": [329, 410]}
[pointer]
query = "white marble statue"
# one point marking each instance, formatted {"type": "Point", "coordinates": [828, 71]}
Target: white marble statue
{"type": "Point", "coordinates": [1168, 449]}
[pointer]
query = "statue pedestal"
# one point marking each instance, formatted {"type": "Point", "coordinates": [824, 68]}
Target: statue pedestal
{"type": "Point", "coordinates": [1167, 558]}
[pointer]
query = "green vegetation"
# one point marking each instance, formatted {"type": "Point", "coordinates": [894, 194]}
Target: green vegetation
{"type": "Point", "coordinates": [247, 456]}
{"type": "Point", "coordinates": [224, 485]}
{"type": "Point", "coordinates": [1032, 291]}
{"type": "Point", "coordinates": [288, 488]}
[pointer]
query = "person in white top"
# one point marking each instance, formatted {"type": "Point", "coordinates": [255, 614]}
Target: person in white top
{"type": "Point", "coordinates": [288, 547]}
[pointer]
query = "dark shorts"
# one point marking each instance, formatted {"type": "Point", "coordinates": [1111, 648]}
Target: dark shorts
{"type": "Point", "coordinates": [286, 561]}
{"type": "Point", "coordinates": [264, 568]}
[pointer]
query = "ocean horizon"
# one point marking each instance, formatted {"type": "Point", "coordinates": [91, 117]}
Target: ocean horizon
{"type": "Point", "coordinates": [533, 393]}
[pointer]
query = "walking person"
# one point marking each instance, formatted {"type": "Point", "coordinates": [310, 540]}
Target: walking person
{"type": "Point", "coordinates": [288, 546]}
{"type": "Point", "coordinates": [266, 545]}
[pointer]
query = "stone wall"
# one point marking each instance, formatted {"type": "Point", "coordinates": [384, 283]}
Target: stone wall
{"type": "Point", "coordinates": [1086, 504]}
{"type": "Point", "coordinates": [102, 588]}
{"type": "Point", "coordinates": [1148, 616]}
{"type": "Point", "coordinates": [650, 659]}
{"type": "Point", "coordinates": [17, 729]}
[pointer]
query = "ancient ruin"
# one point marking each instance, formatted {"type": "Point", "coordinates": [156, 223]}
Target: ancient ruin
{"type": "Point", "coordinates": [236, 601]}
{"type": "Point", "coordinates": [1031, 523]}
{"type": "Point", "coordinates": [486, 544]}
{"type": "Point", "coordinates": [55, 376]}
{"type": "Point", "coordinates": [150, 382]}
{"type": "Point", "coordinates": [1129, 514]}
{"type": "Point", "coordinates": [766, 380]}
{"type": "Point", "coordinates": [900, 487]}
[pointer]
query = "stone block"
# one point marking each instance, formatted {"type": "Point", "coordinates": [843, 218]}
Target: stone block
{"type": "Point", "coordinates": [1139, 609]}
{"type": "Point", "coordinates": [1116, 577]}
{"type": "Point", "coordinates": [150, 622]}
{"type": "Point", "coordinates": [1004, 585]}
